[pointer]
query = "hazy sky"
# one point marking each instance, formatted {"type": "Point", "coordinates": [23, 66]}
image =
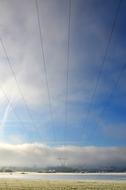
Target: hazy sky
{"type": "Point", "coordinates": [96, 104]}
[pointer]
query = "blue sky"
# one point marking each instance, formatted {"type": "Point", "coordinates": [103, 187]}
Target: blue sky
{"type": "Point", "coordinates": [90, 27]}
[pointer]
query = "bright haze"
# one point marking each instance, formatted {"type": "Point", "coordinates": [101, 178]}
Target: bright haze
{"type": "Point", "coordinates": [63, 82]}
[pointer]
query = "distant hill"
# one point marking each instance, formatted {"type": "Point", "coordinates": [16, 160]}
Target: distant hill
{"type": "Point", "coordinates": [59, 169]}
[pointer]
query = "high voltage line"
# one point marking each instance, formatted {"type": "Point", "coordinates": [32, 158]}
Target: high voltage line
{"type": "Point", "coordinates": [19, 120]}
{"type": "Point", "coordinates": [115, 87]}
{"type": "Point", "coordinates": [112, 93]}
{"type": "Point", "coordinates": [62, 158]}
{"type": "Point", "coordinates": [12, 108]}
{"type": "Point", "coordinates": [102, 64]}
{"type": "Point", "coordinates": [18, 87]}
{"type": "Point", "coordinates": [67, 66]}
{"type": "Point", "coordinates": [45, 65]}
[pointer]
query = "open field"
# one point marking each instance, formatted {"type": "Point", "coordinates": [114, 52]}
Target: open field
{"type": "Point", "coordinates": [60, 185]}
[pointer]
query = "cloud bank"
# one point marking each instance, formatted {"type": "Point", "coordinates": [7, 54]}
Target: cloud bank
{"type": "Point", "coordinates": [75, 156]}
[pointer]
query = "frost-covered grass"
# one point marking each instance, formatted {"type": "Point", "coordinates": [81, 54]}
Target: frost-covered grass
{"type": "Point", "coordinates": [60, 185]}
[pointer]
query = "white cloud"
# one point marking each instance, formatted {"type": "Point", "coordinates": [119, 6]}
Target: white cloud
{"type": "Point", "coordinates": [42, 155]}
{"type": "Point", "coordinates": [20, 33]}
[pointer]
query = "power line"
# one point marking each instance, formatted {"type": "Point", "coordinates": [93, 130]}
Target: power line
{"type": "Point", "coordinates": [115, 87]}
{"type": "Point", "coordinates": [18, 87]}
{"type": "Point", "coordinates": [103, 63]}
{"type": "Point", "coordinates": [67, 66]}
{"type": "Point", "coordinates": [44, 64]}
{"type": "Point", "coordinates": [12, 108]}
{"type": "Point", "coordinates": [62, 159]}
{"type": "Point", "coordinates": [111, 94]}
